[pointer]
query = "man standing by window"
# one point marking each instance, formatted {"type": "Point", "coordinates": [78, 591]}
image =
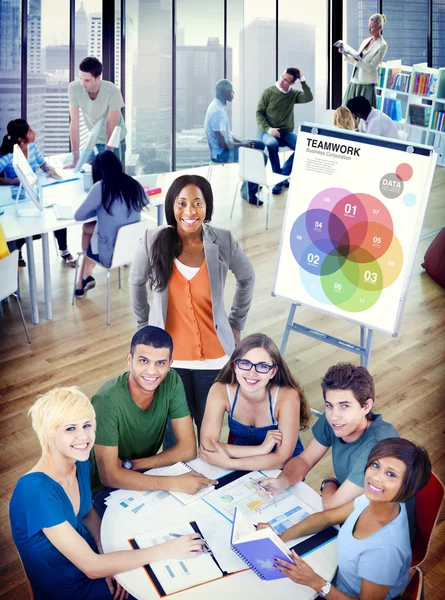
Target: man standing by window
{"type": "Point", "coordinates": [97, 99]}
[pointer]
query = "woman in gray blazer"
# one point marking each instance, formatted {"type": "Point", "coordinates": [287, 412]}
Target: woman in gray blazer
{"type": "Point", "coordinates": [186, 265]}
{"type": "Point", "coordinates": [116, 199]}
{"type": "Point", "coordinates": [365, 73]}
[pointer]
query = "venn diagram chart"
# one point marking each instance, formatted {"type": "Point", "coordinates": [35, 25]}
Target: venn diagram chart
{"type": "Point", "coordinates": [350, 232]}
{"type": "Point", "coordinates": [347, 249]}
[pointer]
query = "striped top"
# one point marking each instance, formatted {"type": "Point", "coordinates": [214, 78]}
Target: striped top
{"type": "Point", "coordinates": [35, 160]}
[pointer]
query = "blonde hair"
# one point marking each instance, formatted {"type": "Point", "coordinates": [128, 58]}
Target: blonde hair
{"type": "Point", "coordinates": [379, 19]}
{"type": "Point", "coordinates": [344, 119]}
{"type": "Point", "coordinates": [57, 407]}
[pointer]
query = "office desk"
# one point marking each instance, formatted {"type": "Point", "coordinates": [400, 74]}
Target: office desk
{"type": "Point", "coordinates": [69, 193]}
{"type": "Point", "coordinates": [118, 527]}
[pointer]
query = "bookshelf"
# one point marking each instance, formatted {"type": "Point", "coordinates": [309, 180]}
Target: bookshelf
{"type": "Point", "coordinates": [414, 97]}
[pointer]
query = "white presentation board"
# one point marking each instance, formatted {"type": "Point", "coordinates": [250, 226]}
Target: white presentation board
{"type": "Point", "coordinates": [352, 224]}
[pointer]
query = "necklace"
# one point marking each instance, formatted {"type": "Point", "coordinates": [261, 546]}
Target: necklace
{"type": "Point", "coordinates": [193, 253]}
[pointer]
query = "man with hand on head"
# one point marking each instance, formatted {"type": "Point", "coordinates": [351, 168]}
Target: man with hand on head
{"type": "Point", "coordinates": [223, 144]}
{"type": "Point", "coordinates": [349, 427]}
{"type": "Point", "coordinates": [131, 414]}
{"type": "Point", "coordinates": [97, 99]}
{"type": "Point", "coordinates": [275, 118]}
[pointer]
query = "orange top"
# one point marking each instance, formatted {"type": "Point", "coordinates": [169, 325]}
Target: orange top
{"type": "Point", "coordinates": [190, 317]}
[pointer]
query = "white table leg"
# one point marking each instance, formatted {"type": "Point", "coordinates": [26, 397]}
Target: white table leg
{"type": "Point", "coordinates": [160, 213]}
{"type": "Point", "coordinates": [47, 277]}
{"type": "Point", "coordinates": [32, 281]}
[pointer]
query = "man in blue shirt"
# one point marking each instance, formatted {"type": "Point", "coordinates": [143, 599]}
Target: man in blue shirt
{"type": "Point", "coordinates": [222, 143]}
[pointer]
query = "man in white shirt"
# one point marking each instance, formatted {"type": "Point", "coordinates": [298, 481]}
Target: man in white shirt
{"type": "Point", "coordinates": [372, 121]}
{"type": "Point", "coordinates": [97, 99]}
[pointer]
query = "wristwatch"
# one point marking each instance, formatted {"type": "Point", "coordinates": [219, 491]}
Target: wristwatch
{"type": "Point", "coordinates": [325, 589]}
{"type": "Point", "coordinates": [329, 480]}
{"type": "Point", "coordinates": [127, 464]}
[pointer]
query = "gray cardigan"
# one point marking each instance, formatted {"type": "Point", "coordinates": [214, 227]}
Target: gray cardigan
{"type": "Point", "coordinates": [222, 252]}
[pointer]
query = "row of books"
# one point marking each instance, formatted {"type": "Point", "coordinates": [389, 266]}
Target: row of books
{"type": "Point", "coordinates": [423, 84]}
{"type": "Point", "coordinates": [391, 107]}
{"type": "Point", "coordinates": [419, 114]}
{"type": "Point", "coordinates": [438, 120]}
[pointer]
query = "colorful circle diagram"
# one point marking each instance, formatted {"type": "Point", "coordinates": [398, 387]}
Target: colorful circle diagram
{"type": "Point", "coordinates": [346, 248]}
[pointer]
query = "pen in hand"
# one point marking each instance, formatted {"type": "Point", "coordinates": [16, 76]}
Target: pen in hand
{"type": "Point", "coordinates": [205, 548]}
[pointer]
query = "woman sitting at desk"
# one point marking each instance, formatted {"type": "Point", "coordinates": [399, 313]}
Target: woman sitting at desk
{"type": "Point", "coordinates": [116, 199]}
{"type": "Point", "coordinates": [266, 409]}
{"type": "Point", "coordinates": [343, 118]}
{"type": "Point", "coordinates": [20, 132]}
{"type": "Point", "coordinates": [374, 550]}
{"type": "Point", "coordinates": [55, 528]}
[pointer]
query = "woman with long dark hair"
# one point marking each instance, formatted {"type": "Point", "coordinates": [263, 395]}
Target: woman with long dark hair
{"type": "Point", "coordinates": [266, 409]}
{"type": "Point", "coordinates": [374, 550]}
{"type": "Point", "coordinates": [186, 264]}
{"type": "Point", "coordinates": [116, 199]}
{"type": "Point", "coordinates": [21, 133]}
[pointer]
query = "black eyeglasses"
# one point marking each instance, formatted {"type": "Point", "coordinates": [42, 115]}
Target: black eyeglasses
{"type": "Point", "coordinates": [246, 365]}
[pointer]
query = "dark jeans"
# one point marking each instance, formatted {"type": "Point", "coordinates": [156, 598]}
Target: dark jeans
{"type": "Point", "coordinates": [287, 138]}
{"type": "Point", "coordinates": [231, 155]}
{"type": "Point", "coordinates": [197, 383]}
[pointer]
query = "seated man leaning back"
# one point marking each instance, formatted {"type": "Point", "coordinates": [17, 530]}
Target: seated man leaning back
{"type": "Point", "coordinates": [131, 415]}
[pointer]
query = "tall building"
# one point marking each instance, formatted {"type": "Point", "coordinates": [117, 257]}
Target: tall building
{"type": "Point", "coordinates": [95, 35]}
{"type": "Point", "coordinates": [35, 37]}
{"type": "Point", "coordinates": [57, 113]}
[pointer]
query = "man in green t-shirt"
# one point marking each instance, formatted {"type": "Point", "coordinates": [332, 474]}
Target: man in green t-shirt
{"type": "Point", "coordinates": [275, 118]}
{"type": "Point", "coordinates": [349, 427]}
{"type": "Point", "coordinates": [96, 99]}
{"type": "Point", "coordinates": [131, 415]}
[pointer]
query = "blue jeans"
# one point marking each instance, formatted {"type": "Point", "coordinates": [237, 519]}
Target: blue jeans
{"type": "Point", "coordinates": [231, 155]}
{"type": "Point", "coordinates": [99, 500]}
{"type": "Point", "coordinates": [119, 152]}
{"type": "Point", "coordinates": [288, 138]}
{"type": "Point", "coordinates": [197, 383]}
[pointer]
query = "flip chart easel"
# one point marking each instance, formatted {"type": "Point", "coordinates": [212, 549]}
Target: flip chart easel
{"type": "Point", "coordinates": [351, 229]}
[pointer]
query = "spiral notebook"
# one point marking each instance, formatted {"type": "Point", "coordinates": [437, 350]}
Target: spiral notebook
{"type": "Point", "coordinates": [181, 468]}
{"type": "Point", "coordinates": [257, 548]}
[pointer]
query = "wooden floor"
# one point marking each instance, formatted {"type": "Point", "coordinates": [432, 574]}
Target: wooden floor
{"type": "Point", "coordinates": [77, 348]}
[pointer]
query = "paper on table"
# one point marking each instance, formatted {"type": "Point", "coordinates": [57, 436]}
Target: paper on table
{"type": "Point", "coordinates": [216, 531]}
{"type": "Point", "coordinates": [207, 470]}
{"type": "Point", "coordinates": [180, 468]}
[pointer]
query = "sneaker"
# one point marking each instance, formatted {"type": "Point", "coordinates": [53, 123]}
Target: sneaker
{"type": "Point", "coordinates": [88, 283]}
{"type": "Point", "coordinates": [255, 201]}
{"type": "Point", "coordinates": [286, 183]}
{"type": "Point", "coordinates": [79, 293]}
{"type": "Point", "coordinates": [277, 189]}
{"type": "Point", "coordinates": [22, 261]}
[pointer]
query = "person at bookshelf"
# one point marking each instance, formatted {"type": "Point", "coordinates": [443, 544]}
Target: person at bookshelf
{"type": "Point", "coordinates": [20, 132]}
{"type": "Point", "coordinates": [374, 550]}
{"type": "Point", "coordinates": [96, 99]}
{"type": "Point", "coordinates": [372, 121]}
{"type": "Point", "coordinates": [365, 72]}
{"type": "Point", "coordinates": [343, 119]}
{"type": "Point", "coordinates": [132, 411]}
{"type": "Point", "coordinates": [266, 409]}
{"type": "Point", "coordinates": [275, 118]}
{"type": "Point", "coordinates": [349, 427]}
{"type": "Point", "coordinates": [186, 264]}
{"type": "Point", "coordinates": [53, 524]}
{"type": "Point", "coordinates": [116, 199]}
{"type": "Point", "coordinates": [223, 144]}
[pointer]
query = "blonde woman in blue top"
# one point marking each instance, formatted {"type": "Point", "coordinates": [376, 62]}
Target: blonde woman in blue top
{"type": "Point", "coordinates": [21, 133]}
{"type": "Point", "coordinates": [54, 526]}
{"type": "Point", "coordinates": [374, 550]}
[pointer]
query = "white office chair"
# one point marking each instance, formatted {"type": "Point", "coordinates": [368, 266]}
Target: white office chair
{"type": "Point", "coordinates": [127, 241]}
{"type": "Point", "coordinates": [9, 283]}
{"type": "Point", "coordinates": [252, 168]}
{"type": "Point", "coordinates": [210, 169]}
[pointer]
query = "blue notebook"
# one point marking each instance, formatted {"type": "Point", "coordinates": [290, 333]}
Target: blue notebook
{"type": "Point", "coordinates": [257, 548]}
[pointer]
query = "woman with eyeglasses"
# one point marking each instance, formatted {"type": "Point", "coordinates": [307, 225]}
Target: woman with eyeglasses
{"type": "Point", "coordinates": [266, 409]}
